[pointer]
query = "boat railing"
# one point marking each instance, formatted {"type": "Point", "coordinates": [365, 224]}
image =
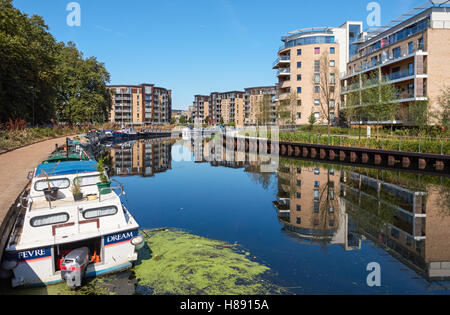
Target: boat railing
{"type": "Point", "coordinates": [112, 188]}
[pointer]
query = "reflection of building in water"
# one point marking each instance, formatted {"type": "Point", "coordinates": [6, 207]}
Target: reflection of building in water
{"type": "Point", "coordinates": [308, 205]}
{"type": "Point", "coordinates": [209, 151]}
{"type": "Point", "coordinates": [145, 158]}
{"type": "Point", "coordinates": [409, 223]}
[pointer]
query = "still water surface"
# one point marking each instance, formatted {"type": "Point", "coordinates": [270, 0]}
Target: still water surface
{"type": "Point", "coordinates": [317, 226]}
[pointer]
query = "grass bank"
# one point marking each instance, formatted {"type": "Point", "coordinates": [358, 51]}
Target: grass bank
{"type": "Point", "coordinates": [14, 139]}
{"type": "Point", "coordinates": [437, 143]}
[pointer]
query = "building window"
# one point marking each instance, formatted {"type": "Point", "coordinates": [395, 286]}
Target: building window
{"type": "Point", "coordinates": [316, 102]}
{"type": "Point", "coordinates": [411, 69]}
{"type": "Point", "coordinates": [299, 77]}
{"type": "Point", "coordinates": [396, 52]}
{"type": "Point", "coordinates": [332, 78]}
{"type": "Point", "coordinates": [316, 184]}
{"type": "Point", "coordinates": [410, 47]}
{"type": "Point", "coordinates": [299, 102]}
{"type": "Point", "coordinates": [316, 195]}
{"type": "Point", "coordinates": [317, 78]}
{"type": "Point", "coordinates": [316, 207]}
{"type": "Point", "coordinates": [299, 195]}
{"type": "Point", "coordinates": [332, 50]}
{"type": "Point", "coordinates": [299, 221]}
{"type": "Point", "coordinates": [317, 115]}
{"type": "Point", "coordinates": [317, 65]}
{"type": "Point", "coordinates": [316, 89]}
{"type": "Point", "coordinates": [299, 182]}
{"type": "Point", "coordinates": [420, 46]}
{"type": "Point", "coordinates": [299, 52]}
{"type": "Point", "coordinates": [317, 50]}
{"type": "Point", "coordinates": [299, 208]}
{"type": "Point", "coordinates": [332, 63]}
{"type": "Point", "coordinates": [332, 103]}
{"type": "Point", "coordinates": [299, 90]}
{"type": "Point", "coordinates": [299, 64]}
{"type": "Point", "coordinates": [299, 115]}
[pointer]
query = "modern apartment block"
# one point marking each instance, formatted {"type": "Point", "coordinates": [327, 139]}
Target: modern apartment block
{"type": "Point", "coordinates": [413, 54]}
{"type": "Point", "coordinates": [257, 109]}
{"type": "Point", "coordinates": [201, 108]}
{"type": "Point", "coordinates": [144, 104]}
{"type": "Point", "coordinates": [236, 107]}
{"type": "Point", "coordinates": [144, 158]}
{"type": "Point", "coordinates": [299, 69]}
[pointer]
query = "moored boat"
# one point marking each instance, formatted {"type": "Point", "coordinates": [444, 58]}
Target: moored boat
{"type": "Point", "coordinates": [53, 230]}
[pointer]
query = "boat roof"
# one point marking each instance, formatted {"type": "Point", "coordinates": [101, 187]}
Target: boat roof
{"type": "Point", "coordinates": [66, 168]}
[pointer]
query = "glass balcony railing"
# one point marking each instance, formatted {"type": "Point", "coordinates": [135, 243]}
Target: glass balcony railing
{"type": "Point", "coordinates": [284, 71]}
{"type": "Point", "coordinates": [281, 59]}
{"type": "Point", "coordinates": [386, 57]}
{"type": "Point", "coordinates": [398, 75]}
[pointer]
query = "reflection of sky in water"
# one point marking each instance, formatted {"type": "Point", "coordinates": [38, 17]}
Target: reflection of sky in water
{"type": "Point", "coordinates": [237, 205]}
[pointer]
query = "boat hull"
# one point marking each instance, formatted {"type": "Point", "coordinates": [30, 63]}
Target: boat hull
{"type": "Point", "coordinates": [38, 266]}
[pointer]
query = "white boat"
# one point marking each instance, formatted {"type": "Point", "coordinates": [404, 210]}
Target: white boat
{"type": "Point", "coordinates": [48, 231]}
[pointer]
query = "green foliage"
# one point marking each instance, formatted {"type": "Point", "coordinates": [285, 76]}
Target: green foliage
{"type": "Point", "coordinates": [101, 170]}
{"type": "Point", "coordinates": [41, 79]}
{"type": "Point", "coordinates": [183, 120]}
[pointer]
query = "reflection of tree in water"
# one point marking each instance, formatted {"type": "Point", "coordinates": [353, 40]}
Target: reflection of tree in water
{"type": "Point", "coordinates": [326, 219]}
{"type": "Point", "coordinates": [323, 221]}
{"type": "Point", "coordinates": [264, 179]}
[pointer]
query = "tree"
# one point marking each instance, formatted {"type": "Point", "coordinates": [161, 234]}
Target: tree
{"type": "Point", "coordinates": [82, 92]}
{"type": "Point", "coordinates": [380, 99]}
{"type": "Point", "coordinates": [287, 109]}
{"type": "Point", "coordinates": [263, 114]}
{"type": "Point", "coordinates": [28, 58]}
{"type": "Point", "coordinates": [442, 114]}
{"type": "Point", "coordinates": [326, 77]}
{"type": "Point", "coordinates": [312, 120]}
{"type": "Point", "coordinates": [182, 119]}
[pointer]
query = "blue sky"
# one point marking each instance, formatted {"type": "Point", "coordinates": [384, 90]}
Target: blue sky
{"type": "Point", "coordinates": [196, 46]}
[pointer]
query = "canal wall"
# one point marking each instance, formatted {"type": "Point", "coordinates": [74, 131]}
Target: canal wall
{"type": "Point", "coordinates": [396, 160]}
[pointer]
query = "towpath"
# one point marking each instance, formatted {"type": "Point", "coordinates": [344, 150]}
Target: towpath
{"type": "Point", "coordinates": [14, 168]}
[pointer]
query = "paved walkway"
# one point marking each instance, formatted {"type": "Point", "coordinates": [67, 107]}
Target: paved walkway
{"type": "Point", "coordinates": [14, 168]}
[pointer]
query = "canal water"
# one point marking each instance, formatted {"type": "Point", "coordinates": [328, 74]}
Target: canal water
{"type": "Point", "coordinates": [320, 228]}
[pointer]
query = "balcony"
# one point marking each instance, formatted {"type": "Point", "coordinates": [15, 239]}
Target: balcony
{"type": "Point", "coordinates": [284, 72]}
{"type": "Point", "coordinates": [386, 59]}
{"type": "Point", "coordinates": [283, 60]}
{"type": "Point", "coordinates": [398, 76]}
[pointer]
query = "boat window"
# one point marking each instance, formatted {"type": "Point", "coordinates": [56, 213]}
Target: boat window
{"type": "Point", "coordinates": [88, 180]}
{"type": "Point", "coordinates": [61, 183]}
{"type": "Point", "coordinates": [49, 219]}
{"type": "Point", "coordinates": [99, 212]}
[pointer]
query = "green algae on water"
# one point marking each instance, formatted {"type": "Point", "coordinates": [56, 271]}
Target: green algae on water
{"type": "Point", "coordinates": [175, 262]}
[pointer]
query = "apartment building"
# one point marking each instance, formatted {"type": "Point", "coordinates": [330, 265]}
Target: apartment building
{"type": "Point", "coordinates": [409, 222]}
{"type": "Point", "coordinates": [241, 108]}
{"type": "Point", "coordinates": [257, 110]}
{"type": "Point", "coordinates": [301, 72]}
{"type": "Point", "coordinates": [201, 108]}
{"type": "Point", "coordinates": [308, 206]}
{"type": "Point", "coordinates": [145, 104]}
{"type": "Point", "coordinates": [413, 54]}
{"type": "Point", "coordinates": [145, 158]}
